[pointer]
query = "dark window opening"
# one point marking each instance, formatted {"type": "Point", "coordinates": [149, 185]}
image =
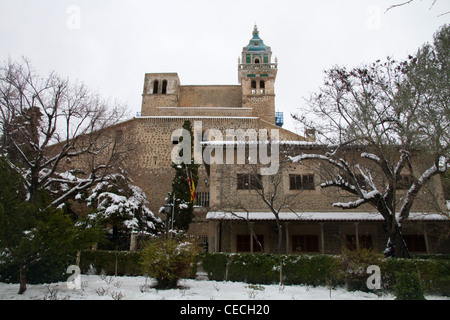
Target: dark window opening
{"type": "Point", "coordinates": [404, 182]}
{"type": "Point", "coordinates": [164, 87]}
{"type": "Point", "coordinates": [365, 241]}
{"type": "Point", "coordinates": [262, 84]}
{"type": "Point", "coordinates": [301, 182]}
{"type": "Point", "coordinates": [305, 243]}
{"type": "Point", "coordinates": [155, 86]}
{"type": "Point", "coordinates": [249, 182]}
{"type": "Point", "coordinates": [257, 60]}
{"type": "Point", "coordinates": [243, 243]}
{"type": "Point", "coordinates": [361, 181]}
{"type": "Point", "coordinates": [308, 182]}
{"type": "Point", "coordinates": [415, 242]}
{"type": "Point", "coordinates": [295, 182]}
{"type": "Point", "coordinates": [253, 84]}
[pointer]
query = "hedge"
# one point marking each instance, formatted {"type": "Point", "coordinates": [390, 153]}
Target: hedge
{"type": "Point", "coordinates": [121, 263]}
{"type": "Point", "coordinates": [105, 261]}
{"type": "Point", "coordinates": [314, 270]}
{"type": "Point", "coordinates": [324, 270]}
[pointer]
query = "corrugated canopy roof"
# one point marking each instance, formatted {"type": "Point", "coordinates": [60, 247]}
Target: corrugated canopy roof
{"type": "Point", "coordinates": [317, 216]}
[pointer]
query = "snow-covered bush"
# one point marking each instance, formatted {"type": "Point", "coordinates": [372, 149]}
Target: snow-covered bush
{"type": "Point", "coordinates": [168, 260]}
{"type": "Point", "coordinates": [122, 205]}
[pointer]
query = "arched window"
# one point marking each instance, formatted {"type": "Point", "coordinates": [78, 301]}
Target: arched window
{"type": "Point", "coordinates": [164, 87]}
{"type": "Point", "coordinates": [262, 87]}
{"type": "Point", "coordinates": [262, 84]}
{"type": "Point", "coordinates": [155, 86]}
{"type": "Point", "coordinates": [257, 60]}
{"type": "Point", "coordinates": [253, 86]}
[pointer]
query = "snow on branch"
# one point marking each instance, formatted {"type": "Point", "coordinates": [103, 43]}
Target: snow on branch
{"type": "Point", "coordinates": [116, 197]}
{"type": "Point", "coordinates": [371, 156]}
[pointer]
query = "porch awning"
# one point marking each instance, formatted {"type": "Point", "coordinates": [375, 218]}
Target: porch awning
{"type": "Point", "coordinates": [317, 216]}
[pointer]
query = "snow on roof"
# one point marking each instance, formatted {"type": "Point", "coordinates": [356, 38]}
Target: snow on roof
{"type": "Point", "coordinates": [233, 142]}
{"type": "Point", "coordinates": [315, 216]}
{"type": "Point", "coordinates": [208, 108]}
{"type": "Point", "coordinates": [192, 117]}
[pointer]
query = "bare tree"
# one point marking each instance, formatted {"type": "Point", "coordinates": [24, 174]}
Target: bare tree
{"type": "Point", "coordinates": [396, 116]}
{"type": "Point", "coordinates": [404, 3]}
{"type": "Point", "coordinates": [268, 191]}
{"type": "Point", "coordinates": [47, 122]}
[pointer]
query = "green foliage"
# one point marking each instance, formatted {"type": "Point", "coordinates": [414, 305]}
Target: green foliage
{"type": "Point", "coordinates": [312, 270]}
{"type": "Point", "coordinates": [353, 266]}
{"type": "Point", "coordinates": [103, 261]}
{"type": "Point", "coordinates": [407, 286]}
{"type": "Point", "coordinates": [434, 274]}
{"type": "Point", "coordinates": [168, 260]}
{"type": "Point", "coordinates": [215, 265]}
{"type": "Point", "coordinates": [266, 268]}
{"type": "Point", "coordinates": [254, 268]}
{"type": "Point", "coordinates": [349, 269]}
{"type": "Point", "coordinates": [184, 210]}
{"type": "Point", "coordinates": [40, 240]}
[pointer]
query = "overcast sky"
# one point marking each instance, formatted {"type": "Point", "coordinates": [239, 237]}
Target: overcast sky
{"type": "Point", "coordinates": [110, 45]}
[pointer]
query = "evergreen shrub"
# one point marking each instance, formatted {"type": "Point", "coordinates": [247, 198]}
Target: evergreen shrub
{"type": "Point", "coordinates": [104, 261]}
{"type": "Point", "coordinates": [215, 265]}
{"type": "Point", "coordinates": [349, 269]}
{"type": "Point", "coordinates": [168, 260]}
{"type": "Point", "coordinates": [312, 270]}
{"type": "Point", "coordinates": [407, 286]}
{"type": "Point", "coordinates": [353, 264]}
{"type": "Point", "coordinates": [254, 268]}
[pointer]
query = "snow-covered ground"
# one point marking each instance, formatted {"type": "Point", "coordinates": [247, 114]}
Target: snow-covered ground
{"type": "Point", "coordinates": [95, 287]}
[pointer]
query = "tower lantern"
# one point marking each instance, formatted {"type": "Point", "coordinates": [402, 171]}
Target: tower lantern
{"type": "Point", "coordinates": [257, 75]}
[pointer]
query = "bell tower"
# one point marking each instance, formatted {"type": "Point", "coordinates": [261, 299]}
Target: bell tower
{"type": "Point", "coordinates": [257, 76]}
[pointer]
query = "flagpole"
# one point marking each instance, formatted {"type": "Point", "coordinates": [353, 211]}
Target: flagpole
{"type": "Point", "coordinates": [173, 209]}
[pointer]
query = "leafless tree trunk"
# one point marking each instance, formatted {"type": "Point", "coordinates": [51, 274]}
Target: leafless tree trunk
{"type": "Point", "coordinates": [47, 122]}
{"type": "Point", "coordinates": [268, 190]}
{"type": "Point", "coordinates": [395, 116]}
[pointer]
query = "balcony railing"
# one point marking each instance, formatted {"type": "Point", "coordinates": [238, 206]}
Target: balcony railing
{"type": "Point", "coordinates": [202, 199]}
{"type": "Point", "coordinates": [258, 66]}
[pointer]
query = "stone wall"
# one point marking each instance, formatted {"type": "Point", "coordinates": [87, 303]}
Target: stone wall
{"type": "Point", "coordinates": [216, 96]}
{"type": "Point", "coordinates": [152, 161]}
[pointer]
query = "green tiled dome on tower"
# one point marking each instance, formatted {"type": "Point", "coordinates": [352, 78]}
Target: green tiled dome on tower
{"type": "Point", "coordinates": [256, 43]}
{"type": "Point", "coordinates": [256, 51]}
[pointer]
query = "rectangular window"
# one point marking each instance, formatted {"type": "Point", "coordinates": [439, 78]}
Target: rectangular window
{"type": "Point", "coordinates": [365, 241]}
{"type": "Point", "coordinates": [295, 182]}
{"type": "Point", "coordinates": [404, 182]}
{"type": "Point", "coordinates": [255, 182]}
{"type": "Point", "coordinates": [202, 199]}
{"type": "Point", "coordinates": [242, 181]}
{"type": "Point", "coordinates": [305, 243]}
{"type": "Point", "coordinates": [243, 243]}
{"type": "Point", "coordinates": [415, 242]}
{"type": "Point", "coordinates": [301, 182]}
{"type": "Point", "coordinates": [256, 247]}
{"type": "Point", "coordinates": [249, 182]}
{"type": "Point", "coordinates": [308, 182]}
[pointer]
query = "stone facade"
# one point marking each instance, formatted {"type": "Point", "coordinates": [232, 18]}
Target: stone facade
{"type": "Point", "coordinates": [166, 104]}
